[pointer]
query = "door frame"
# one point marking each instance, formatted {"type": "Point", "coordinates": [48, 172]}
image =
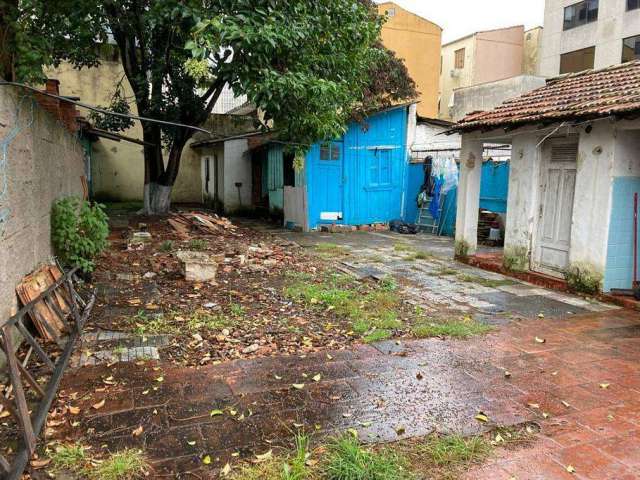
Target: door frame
{"type": "Point", "coordinates": [318, 162]}
{"type": "Point", "coordinates": [543, 174]}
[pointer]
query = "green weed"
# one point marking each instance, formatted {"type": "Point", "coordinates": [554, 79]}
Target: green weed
{"type": "Point", "coordinates": [461, 328]}
{"type": "Point", "coordinates": [332, 249]}
{"type": "Point", "coordinates": [197, 244]}
{"type": "Point", "coordinates": [455, 450]}
{"type": "Point", "coordinates": [166, 246]}
{"type": "Point", "coordinates": [485, 282]}
{"type": "Point", "coordinates": [377, 336]}
{"type": "Point", "coordinates": [237, 310]}
{"type": "Point", "coordinates": [403, 247]}
{"type": "Point", "coordinates": [125, 465]}
{"type": "Point", "coordinates": [69, 457]}
{"type": "Point", "coordinates": [347, 459]}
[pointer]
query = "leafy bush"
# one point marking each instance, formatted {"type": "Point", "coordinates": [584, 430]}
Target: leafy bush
{"type": "Point", "coordinates": [79, 232]}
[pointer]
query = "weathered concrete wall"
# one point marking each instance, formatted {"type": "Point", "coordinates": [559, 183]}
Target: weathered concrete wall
{"type": "Point", "coordinates": [44, 162]}
{"type": "Point", "coordinates": [614, 24]}
{"type": "Point", "coordinates": [417, 41]}
{"type": "Point", "coordinates": [499, 54]}
{"type": "Point", "coordinates": [118, 167]}
{"type": "Point", "coordinates": [237, 169]}
{"type": "Point", "coordinates": [490, 95]}
{"type": "Point", "coordinates": [531, 54]}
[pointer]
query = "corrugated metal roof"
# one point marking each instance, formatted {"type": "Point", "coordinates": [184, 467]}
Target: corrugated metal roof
{"type": "Point", "coordinates": [590, 94]}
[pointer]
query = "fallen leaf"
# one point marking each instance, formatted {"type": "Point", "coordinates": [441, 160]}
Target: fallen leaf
{"type": "Point", "coordinates": [545, 415]}
{"type": "Point", "coordinates": [419, 376]}
{"type": "Point", "coordinates": [481, 417]}
{"type": "Point", "coordinates": [317, 378]}
{"type": "Point", "coordinates": [4, 414]}
{"type": "Point", "coordinates": [298, 386]}
{"type": "Point", "coordinates": [265, 456]}
{"type": "Point", "coordinates": [191, 443]}
{"type": "Point", "coordinates": [138, 431]}
{"type": "Point", "coordinates": [329, 357]}
{"type": "Point", "coordinates": [534, 405]}
{"type": "Point", "coordinates": [566, 404]}
{"type": "Point", "coordinates": [604, 386]}
{"type": "Point", "coordinates": [400, 431]}
{"type": "Point", "coordinates": [160, 379]}
{"type": "Point", "coordinates": [99, 405]}
{"type": "Point", "coordinates": [215, 413]}
{"type": "Point", "coordinates": [74, 410]}
{"type": "Point", "coordinates": [540, 340]}
{"type": "Point", "coordinates": [570, 469]}
{"type": "Point", "coordinates": [366, 424]}
{"type": "Point", "coordinates": [226, 470]}
{"type": "Point", "coordinates": [43, 462]}
{"type": "Point", "coordinates": [206, 460]}
{"type": "Point", "coordinates": [541, 315]}
{"type": "Point", "coordinates": [507, 374]}
{"type": "Point", "coordinates": [233, 412]}
{"type": "Point", "coordinates": [277, 377]}
{"type": "Point", "coordinates": [353, 432]}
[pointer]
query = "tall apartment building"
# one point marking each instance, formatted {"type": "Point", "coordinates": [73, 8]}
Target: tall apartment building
{"type": "Point", "coordinates": [417, 41]}
{"type": "Point", "coordinates": [589, 34]}
{"type": "Point", "coordinates": [483, 58]}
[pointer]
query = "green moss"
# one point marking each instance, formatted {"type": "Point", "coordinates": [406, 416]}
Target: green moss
{"type": "Point", "coordinates": [457, 328]}
{"type": "Point", "coordinates": [485, 282]}
{"type": "Point", "coordinates": [462, 249]}
{"type": "Point", "coordinates": [125, 465]}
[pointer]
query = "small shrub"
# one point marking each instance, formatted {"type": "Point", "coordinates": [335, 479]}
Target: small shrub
{"type": "Point", "coordinates": [79, 232]}
{"type": "Point", "coordinates": [69, 457]}
{"type": "Point", "coordinates": [583, 278]}
{"type": "Point", "coordinates": [516, 259]}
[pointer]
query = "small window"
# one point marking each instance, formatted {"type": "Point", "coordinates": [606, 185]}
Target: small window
{"type": "Point", "coordinates": [391, 12]}
{"type": "Point", "coordinates": [577, 61]}
{"type": "Point", "coordinates": [580, 14]}
{"type": "Point", "coordinates": [330, 151]}
{"type": "Point", "coordinates": [459, 58]}
{"type": "Point", "coordinates": [631, 49]}
{"type": "Point", "coordinates": [633, 4]}
{"type": "Point", "coordinates": [380, 168]}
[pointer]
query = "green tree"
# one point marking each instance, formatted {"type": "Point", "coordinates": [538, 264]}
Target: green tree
{"type": "Point", "coordinates": [306, 64]}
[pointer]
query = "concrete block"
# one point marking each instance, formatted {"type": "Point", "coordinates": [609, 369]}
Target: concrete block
{"type": "Point", "coordinates": [199, 266]}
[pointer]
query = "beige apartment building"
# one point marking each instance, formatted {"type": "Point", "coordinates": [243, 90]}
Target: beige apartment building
{"type": "Point", "coordinates": [483, 58]}
{"type": "Point", "coordinates": [417, 41]}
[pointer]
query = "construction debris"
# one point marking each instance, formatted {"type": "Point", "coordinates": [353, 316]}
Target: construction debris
{"type": "Point", "coordinates": [187, 223]}
{"type": "Point", "coordinates": [48, 315]}
{"type": "Point", "coordinates": [199, 266]}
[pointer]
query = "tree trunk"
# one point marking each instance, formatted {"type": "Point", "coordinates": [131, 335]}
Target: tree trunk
{"type": "Point", "coordinates": [157, 199]}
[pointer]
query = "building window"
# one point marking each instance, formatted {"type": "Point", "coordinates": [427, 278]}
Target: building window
{"type": "Point", "coordinates": [580, 14]}
{"type": "Point", "coordinates": [633, 4]}
{"type": "Point", "coordinates": [391, 12]}
{"type": "Point", "coordinates": [380, 168]}
{"type": "Point", "coordinates": [631, 49]}
{"type": "Point", "coordinates": [577, 61]}
{"type": "Point", "coordinates": [459, 59]}
{"type": "Point", "coordinates": [330, 151]}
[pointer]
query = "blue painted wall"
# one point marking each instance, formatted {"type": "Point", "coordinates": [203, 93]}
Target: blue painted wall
{"type": "Point", "coordinates": [619, 271]}
{"type": "Point", "coordinates": [494, 191]}
{"type": "Point", "coordinates": [363, 174]}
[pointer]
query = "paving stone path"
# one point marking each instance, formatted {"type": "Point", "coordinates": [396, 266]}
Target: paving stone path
{"type": "Point", "coordinates": [392, 391]}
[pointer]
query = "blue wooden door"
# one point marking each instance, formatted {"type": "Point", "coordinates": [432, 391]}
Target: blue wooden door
{"type": "Point", "coordinates": [327, 188]}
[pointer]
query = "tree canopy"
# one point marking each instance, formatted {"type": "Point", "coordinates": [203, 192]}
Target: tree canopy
{"type": "Point", "coordinates": [308, 65]}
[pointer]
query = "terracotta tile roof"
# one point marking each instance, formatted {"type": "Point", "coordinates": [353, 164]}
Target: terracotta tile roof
{"type": "Point", "coordinates": [590, 94]}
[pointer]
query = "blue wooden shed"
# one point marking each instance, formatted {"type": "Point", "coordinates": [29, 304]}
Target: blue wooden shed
{"type": "Point", "coordinates": [358, 179]}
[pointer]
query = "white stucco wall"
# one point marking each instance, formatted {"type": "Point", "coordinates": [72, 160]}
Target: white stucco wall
{"type": "Point", "coordinates": [613, 25]}
{"type": "Point", "coordinates": [237, 169]}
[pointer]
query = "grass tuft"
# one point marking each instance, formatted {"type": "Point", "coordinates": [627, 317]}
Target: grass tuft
{"type": "Point", "coordinates": [455, 450]}
{"type": "Point", "coordinates": [124, 465]}
{"type": "Point", "coordinates": [166, 246]}
{"type": "Point", "coordinates": [328, 250]}
{"type": "Point", "coordinates": [403, 247]}
{"type": "Point", "coordinates": [69, 457]}
{"type": "Point", "coordinates": [348, 460]}
{"type": "Point", "coordinates": [485, 282]}
{"type": "Point", "coordinates": [458, 328]}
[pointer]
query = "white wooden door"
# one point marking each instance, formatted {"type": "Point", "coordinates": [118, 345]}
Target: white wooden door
{"type": "Point", "coordinates": [557, 194]}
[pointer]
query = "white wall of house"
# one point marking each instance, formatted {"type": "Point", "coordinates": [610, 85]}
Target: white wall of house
{"type": "Point", "coordinates": [614, 24]}
{"type": "Point", "coordinates": [237, 169]}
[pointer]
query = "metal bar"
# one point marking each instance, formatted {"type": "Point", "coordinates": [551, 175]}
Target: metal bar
{"type": "Point", "coordinates": [24, 419]}
{"type": "Point", "coordinates": [74, 305]}
{"type": "Point", "coordinates": [36, 346]}
{"type": "Point", "coordinates": [49, 328]}
{"type": "Point", "coordinates": [22, 457]}
{"type": "Point", "coordinates": [30, 380]}
{"type": "Point", "coordinates": [29, 306]}
{"type": "Point", "coordinates": [4, 465]}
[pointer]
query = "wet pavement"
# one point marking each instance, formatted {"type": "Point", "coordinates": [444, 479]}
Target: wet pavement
{"type": "Point", "coordinates": [392, 391]}
{"type": "Point", "coordinates": [567, 363]}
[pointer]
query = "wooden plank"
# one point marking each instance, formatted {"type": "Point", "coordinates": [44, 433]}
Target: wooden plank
{"type": "Point", "coordinates": [24, 419]}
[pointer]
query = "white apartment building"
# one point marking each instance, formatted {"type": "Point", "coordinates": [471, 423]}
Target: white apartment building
{"type": "Point", "coordinates": [582, 35]}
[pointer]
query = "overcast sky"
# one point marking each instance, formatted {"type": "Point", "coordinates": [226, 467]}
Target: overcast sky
{"type": "Point", "coordinates": [462, 17]}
